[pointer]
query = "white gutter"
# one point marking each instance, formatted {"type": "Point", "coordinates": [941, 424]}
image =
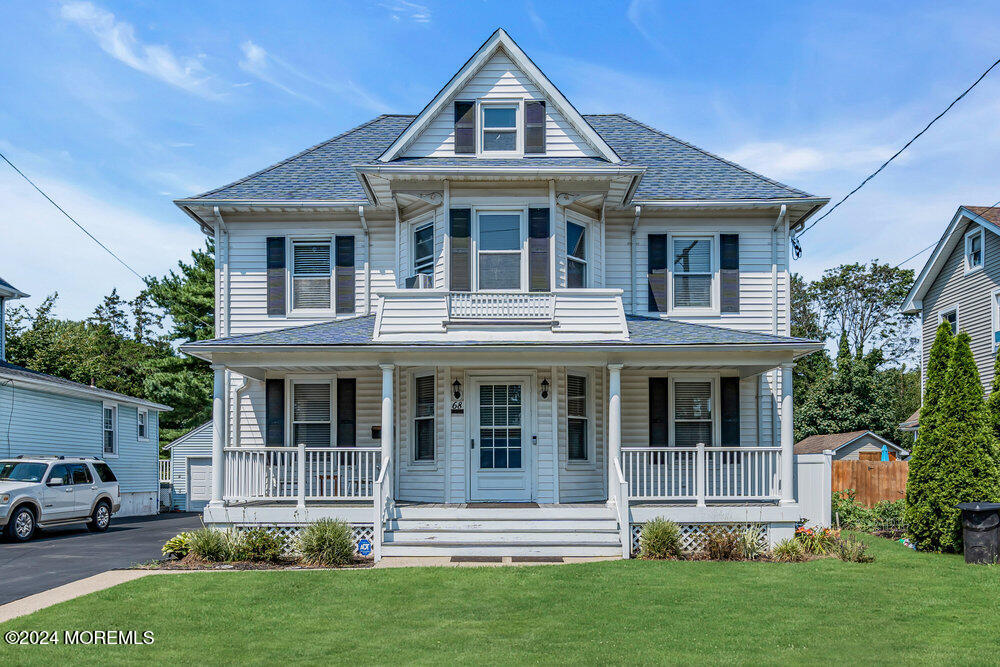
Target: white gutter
{"type": "Point", "coordinates": [631, 255]}
{"type": "Point", "coordinates": [478, 171]}
{"type": "Point", "coordinates": [222, 252]}
{"type": "Point", "coordinates": [368, 252]}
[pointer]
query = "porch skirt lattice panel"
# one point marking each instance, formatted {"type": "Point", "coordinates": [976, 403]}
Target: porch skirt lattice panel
{"type": "Point", "coordinates": [360, 531]}
{"type": "Point", "coordinates": [693, 534]}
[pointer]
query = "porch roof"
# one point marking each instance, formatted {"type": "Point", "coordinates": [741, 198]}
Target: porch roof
{"type": "Point", "coordinates": [359, 331]}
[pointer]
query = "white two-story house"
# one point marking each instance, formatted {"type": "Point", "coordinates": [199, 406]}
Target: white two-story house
{"type": "Point", "coordinates": [501, 327]}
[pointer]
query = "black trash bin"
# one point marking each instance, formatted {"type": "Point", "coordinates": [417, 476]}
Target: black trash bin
{"type": "Point", "coordinates": [981, 531]}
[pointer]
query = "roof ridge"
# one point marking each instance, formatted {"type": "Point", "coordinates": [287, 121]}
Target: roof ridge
{"type": "Point", "coordinates": [297, 155]}
{"type": "Point", "coordinates": [712, 155]}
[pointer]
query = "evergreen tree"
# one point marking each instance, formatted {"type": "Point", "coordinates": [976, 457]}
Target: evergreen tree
{"type": "Point", "coordinates": [993, 402]}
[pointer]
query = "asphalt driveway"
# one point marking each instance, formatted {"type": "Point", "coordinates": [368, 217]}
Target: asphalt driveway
{"type": "Point", "coordinates": [58, 556]}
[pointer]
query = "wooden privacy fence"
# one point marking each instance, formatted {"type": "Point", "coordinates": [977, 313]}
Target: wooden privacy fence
{"type": "Point", "coordinates": [872, 481]}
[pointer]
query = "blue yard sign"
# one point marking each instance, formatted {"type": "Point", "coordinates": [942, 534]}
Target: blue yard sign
{"type": "Point", "coordinates": [364, 547]}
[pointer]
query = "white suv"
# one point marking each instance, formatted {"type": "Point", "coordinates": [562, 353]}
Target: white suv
{"type": "Point", "coordinates": [49, 491]}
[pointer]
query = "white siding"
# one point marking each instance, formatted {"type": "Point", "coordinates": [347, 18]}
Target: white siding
{"type": "Point", "coordinates": [194, 444]}
{"type": "Point", "coordinates": [499, 79]}
{"type": "Point", "coordinates": [580, 481]}
{"type": "Point", "coordinates": [420, 480]}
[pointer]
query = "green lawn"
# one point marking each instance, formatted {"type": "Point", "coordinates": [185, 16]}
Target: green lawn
{"type": "Point", "coordinates": [905, 607]}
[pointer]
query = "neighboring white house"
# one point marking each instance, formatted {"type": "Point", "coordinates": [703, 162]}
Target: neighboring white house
{"type": "Point", "coordinates": [44, 415]}
{"type": "Point", "coordinates": [501, 327]}
{"type": "Point", "coordinates": [190, 466]}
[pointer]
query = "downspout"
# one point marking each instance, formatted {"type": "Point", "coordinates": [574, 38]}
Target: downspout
{"type": "Point", "coordinates": [631, 254]}
{"type": "Point", "coordinates": [395, 206]}
{"type": "Point", "coordinates": [553, 231]}
{"type": "Point", "coordinates": [446, 234]}
{"type": "Point", "coordinates": [222, 252]}
{"type": "Point", "coordinates": [775, 374]}
{"type": "Point", "coordinates": [368, 252]}
{"type": "Point", "coordinates": [604, 245]}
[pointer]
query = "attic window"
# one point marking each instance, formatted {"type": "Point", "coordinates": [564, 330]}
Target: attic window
{"type": "Point", "coordinates": [974, 250]}
{"type": "Point", "coordinates": [499, 122]}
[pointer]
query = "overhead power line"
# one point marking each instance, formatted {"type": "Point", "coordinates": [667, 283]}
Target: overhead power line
{"type": "Point", "coordinates": [984, 212]}
{"type": "Point", "coordinates": [905, 146]}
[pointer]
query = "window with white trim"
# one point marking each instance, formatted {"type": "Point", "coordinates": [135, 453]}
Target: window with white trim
{"type": "Point", "coordinates": [693, 418]}
{"type": "Point", "coordinates": [499, 128]}
{"type": "Point", "coordinates": [423, 418]}
{"type": "Point", "coordinates": [110, 424]}
{"type": "Point", "coordinates": [312, 414]}
{"type": "Point", "coordinates": [311, 275]}
{"type": "Point", "coordinates": [951, 317]}
{"type": "Point", "coordinates": [423, 249]}
{"type": "Point", "coordinates": [500, 250]}
{"type": "Point", "coordinates": [995, 308]}
{"type": "Point", "coordinates": [577, 431]}
{"type": "Point", "coordinates": [142, 424]}
{"type": "Point", "coordinates": [974, 249]}
{"type": "Point", "coordinates": [576, 255]}
{"type": "Point", "coordinates": [693, 270]}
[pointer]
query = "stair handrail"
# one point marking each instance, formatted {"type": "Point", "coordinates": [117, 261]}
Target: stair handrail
{"type": "Point", "coordinates": [622, 507]}
{"type": "Point", "coordinates": [381, 492]}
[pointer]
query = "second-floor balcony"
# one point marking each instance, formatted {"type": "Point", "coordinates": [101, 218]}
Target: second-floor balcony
{"type": "Point", "coordinates": [568, 314]}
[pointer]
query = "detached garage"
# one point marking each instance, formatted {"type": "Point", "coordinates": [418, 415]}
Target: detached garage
{"type": "Point", "coordinates": [191, 469]}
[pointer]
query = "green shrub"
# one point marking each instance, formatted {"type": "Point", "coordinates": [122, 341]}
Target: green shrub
{"type": "Point", "coordinates": [177, 546]}
{"type": "Point", "coordinates": [720, 543]}
{"type": "Point", "coordinates": [849, 512]}
{"type": "Point", "coordinates": [750, 543]}
{"type": "Point", "coordinates": [262, 545]}
{"type": "Point", "coordinates": [660, 539]}
{"type": "Point", "coordinates": [327, 542]}
{"type": "Point", "coordinates": [852, 550]}
{"type": "Point", "coordinates": [209, 544]}
{"type": "Point", "coordinates": [789, 550]}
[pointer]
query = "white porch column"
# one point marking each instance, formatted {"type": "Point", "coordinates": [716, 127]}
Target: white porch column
{"type": "Point", "coordinates": [218, 433]}
{"type": "Point", "coordinates": [787, 435]}
{"type": "Point", "coordinates": [614, 412]}
{"type": "Point", "coordinates": [388, 417]}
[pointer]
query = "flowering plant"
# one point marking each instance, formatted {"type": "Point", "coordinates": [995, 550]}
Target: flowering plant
{"type": "Point", "coordinates": [817, 541]}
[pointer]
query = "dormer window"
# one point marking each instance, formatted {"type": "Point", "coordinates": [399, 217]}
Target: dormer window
{"type": "Point", "coordinates": [499, 123]}
{"type": "Point", "coordinates": [974, 250]}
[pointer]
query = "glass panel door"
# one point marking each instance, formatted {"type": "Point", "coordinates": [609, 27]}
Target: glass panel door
{"type": "Point", "coordinates": [500, 426]}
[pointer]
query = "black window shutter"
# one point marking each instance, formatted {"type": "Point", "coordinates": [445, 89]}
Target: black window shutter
{"type": "Point", "coordinates": [729, 260]}
{"type": "Point", "coordinates": [460, 228]}
{"type": "Point", "coordinates": [539, 226]}
{"type": "Point", "coordinates": [347, 418]}
{"type": "Point", "coordinates": [657, 276]}
{"type": "Point", "coordinates": [658, 436]}
{"type": "Point", "coordinates": [534, 127]}
{"type": "Point", "coordinates": [729, 390]}
{"type": "Point", "coordinates": [465, 127]}
{"type": "Point", "coordinates": [274, 410]}
{"type": "Point", "coordinates": [344, 274]}
{"type": "Point", "coordinates": [276, 275]}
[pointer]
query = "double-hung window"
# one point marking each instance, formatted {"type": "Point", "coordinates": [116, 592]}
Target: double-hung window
{"type": "Point", "coordinates": [311, 275]}
{"type": "Point", "coordinates": [423, 249]}
{"type": "Point", "coordinates": [576, 255]}
{"type": "Point", "coordinates": [692, 413]}
{"type": "Point", "coordinates": [974, 250]}
{"type": "Point", "coordinates": [576, 418]}
{"type": "Point", "coordinates": [499, 123]}
{"type": "Point", "coordinates": [500, 250]}
{"type": "Point", "coordinates": [142, 425]}
{"type": "Point", "coordinates": [423, 418]}
{"type": "Point", "coordinates": [110, 424]}
{"type": "Point", "coordinates": [311, 414]}
{"type": "Point", "coordinates": [692, 260]}
{"type": "Point", "coordinates": [951, 317]}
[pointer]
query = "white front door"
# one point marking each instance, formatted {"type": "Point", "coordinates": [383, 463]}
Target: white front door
{"type": "Point", "coordinates": [501, 440]}
{"type": "Point", "coordinates": [199, 483]}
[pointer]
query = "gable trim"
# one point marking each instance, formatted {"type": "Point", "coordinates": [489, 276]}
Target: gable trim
{"type": "Point", "coordinates": [913, 303]}
{"type": "Point", "coordinates": [877, 437]}
{"type": "Point", "coordinates": [187, 436]}
{"type": "Point", "coordinates": [499, 40]}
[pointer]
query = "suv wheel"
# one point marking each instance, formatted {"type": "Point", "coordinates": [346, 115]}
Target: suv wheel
{"type": "Point", "coordinates": [100, 519]}
{"type": "Point", "coordinates": [21, 526]}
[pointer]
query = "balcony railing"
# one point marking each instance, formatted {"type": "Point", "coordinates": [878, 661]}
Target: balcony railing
{"type": "Point", "coordinates": [273, 473]}
{"type": "Point", "coordinates": [702, 473]}
{"type": "Point", "coordinates": [501, 306]}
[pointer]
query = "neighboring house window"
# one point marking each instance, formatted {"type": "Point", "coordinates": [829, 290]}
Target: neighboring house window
{"type": "Point", "coordinates": [692, 262]}
{"type": "Point", "coordinates": [311, 275]}
{"type": "Point", "coordinates": [499, 128]}
{"type": "Point", "coordinates": [974, 250]}
{"type": "Point", "coordinates": [576, 417]}
{"type": "Point", "coordinates": [423, 418]}
{"type": "Point", "coordinates": [576, 255]}
{"type": "Point", "coordinates": [110, 430]}
{"type": "Point", "coordinates": [995, 307]}
{"type": "Point", "coordinates": [423, 249]}
{"type": "Point", "coordinates": [311, 414]}
{"type": "Point", "coordinates": [951, 317]}
{"type": "Point", "coordinates": [499, 250]}
{"type": "Point", "coordinates": [142, 426]}
{"type": "Point", "coordinates": [692, 413]}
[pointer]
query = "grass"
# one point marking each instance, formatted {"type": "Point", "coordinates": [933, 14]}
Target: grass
{"type": "Point", "coordinates": [905, 607]}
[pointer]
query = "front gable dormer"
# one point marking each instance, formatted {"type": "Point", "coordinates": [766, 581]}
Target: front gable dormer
{"type": "Point", "coordinates": [499, 106]}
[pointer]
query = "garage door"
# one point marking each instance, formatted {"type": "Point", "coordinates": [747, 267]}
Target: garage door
{"type": "Point", "coordinates": [199, 483]}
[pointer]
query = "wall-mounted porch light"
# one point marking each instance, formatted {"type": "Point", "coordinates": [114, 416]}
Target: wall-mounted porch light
{"type": "Point", "coordinates": [456, 388]}
{"type": "Point", "coordinates": [545, 388]}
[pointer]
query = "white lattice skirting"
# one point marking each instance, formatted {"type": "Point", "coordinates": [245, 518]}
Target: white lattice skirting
{"type": "Point", "coordinates": [693, 534]}
{"type": "Point", "coordinates": [360, 531]}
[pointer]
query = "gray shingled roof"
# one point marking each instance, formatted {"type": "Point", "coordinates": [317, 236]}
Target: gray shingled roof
{"type": "Point", "coordinates": [11, 370]}
{"type": "Point", "coordinates": [7, 287]}
{"type": "Point", "coordinates": [359, 331]}
{"type": "Point", "coordinates": [675, 170]}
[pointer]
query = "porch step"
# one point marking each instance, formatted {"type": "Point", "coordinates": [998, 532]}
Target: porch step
{"type": "Point", "coordinates": [471, 549]}
{"type": "Point", "coordinates": [470, 525]}
{"type": "Point", "coordinates": [450, 513]}
{"type": "Point", "coordinates": [518, 537]}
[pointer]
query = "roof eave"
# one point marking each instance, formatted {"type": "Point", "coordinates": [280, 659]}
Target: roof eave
{"type": "Point", "coordinates": [89, 392]}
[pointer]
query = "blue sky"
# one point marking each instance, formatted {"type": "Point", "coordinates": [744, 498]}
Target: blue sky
{"type": "Point", "coordinates": [118, 108]}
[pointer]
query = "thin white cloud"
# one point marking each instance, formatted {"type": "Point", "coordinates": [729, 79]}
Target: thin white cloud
{"type": "Point", "coordinates": [537, 21]}
{"type": "Point", "coordinates": [286, 77]}
{"type": "Point", "coordinates": [644, 15]}
{"type": "Point", "coordinates": [117, 38]}
{"type": "Point", "coordinates": [782, 160]}
{"type": "Point", "coordinates": [410, 11]}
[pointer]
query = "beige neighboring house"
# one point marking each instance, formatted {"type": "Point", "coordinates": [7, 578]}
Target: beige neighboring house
{"type": "Point", "coordinates": [851, 446]}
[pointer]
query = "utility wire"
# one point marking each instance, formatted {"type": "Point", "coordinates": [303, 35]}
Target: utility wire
{"type": "Point", "coordinates": [145, 281]}
{"type": "Point", "coordinates": [982, 213]}
{"type": "Point", "coordinates": [905, 146]}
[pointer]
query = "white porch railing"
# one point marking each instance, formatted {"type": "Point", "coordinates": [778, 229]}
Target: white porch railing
{"type": "Point", "coordinates": [274, 473]}
{"type": "Point", "coordinates": [165, 471]}
{"type": "Point", "coordinates": [501, 305]}
{"type": "Point", "coordinates": [702, 473]}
